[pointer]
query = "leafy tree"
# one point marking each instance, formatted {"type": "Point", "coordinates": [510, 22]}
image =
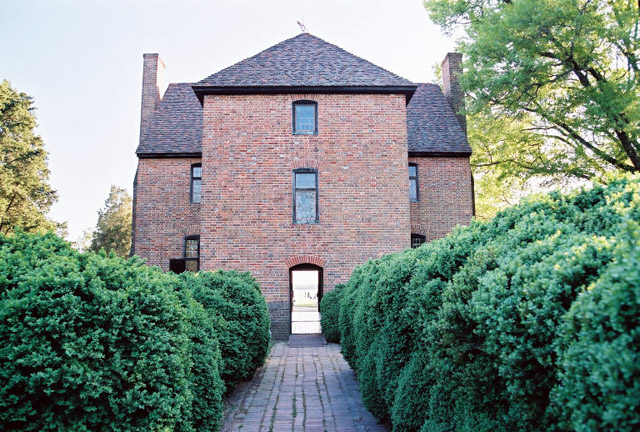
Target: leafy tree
{"type": "Point", "coordinates": [83, 242]}
{"type": "Point", "coordinates": [113, 231]}
{"type": "Point", "coordinates": [553, 85]}
{"type": "Point", "coordinates": [25, 195]}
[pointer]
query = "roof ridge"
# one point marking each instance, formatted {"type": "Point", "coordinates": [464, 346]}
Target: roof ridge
{"type": "Point", "coordinates": [351, 54]}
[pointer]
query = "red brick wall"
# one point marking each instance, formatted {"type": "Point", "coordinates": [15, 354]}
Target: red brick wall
{"type": "Point", "coordinates": [164, 215]}
{"type": "Point", "coordinates": [445, 194]}
{"type": "Point", "coordinates": [249, 153]}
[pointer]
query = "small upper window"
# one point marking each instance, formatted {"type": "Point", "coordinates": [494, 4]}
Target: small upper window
{"type": "Point", "coordinates": [305, 117]}
{"type": "Point", "coordinates": [196, 183]}
{"type": "Point", "coordinates": [192, 253]}
{"type": "Point", "coordinates": [413, 182]}
{"type": "Point", "coordinates": [417, 240]}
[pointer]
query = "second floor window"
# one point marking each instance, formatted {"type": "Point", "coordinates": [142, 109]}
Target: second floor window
{"type": "Point", "coordinates": [305, 196]}
{"type": "Point", "coordinates": [305, 118]}
{"type": "Point", "coordinates": [413, 182]}
{"type": "Point", "coordinates": [196, 183]}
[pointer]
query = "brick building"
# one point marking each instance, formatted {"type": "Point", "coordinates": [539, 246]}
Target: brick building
{"type": "Point", "coordinates": [302, 157]}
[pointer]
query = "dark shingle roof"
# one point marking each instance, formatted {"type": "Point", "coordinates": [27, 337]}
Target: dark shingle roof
{"type": "Point", "coordinates": [176, 125]}
{"type": "Point", "coordinates": [304, 60]}
{"type": "Point", "coordinates": [432, 127]}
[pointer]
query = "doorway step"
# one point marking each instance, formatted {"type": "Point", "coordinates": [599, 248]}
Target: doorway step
{"type": "Point", "coordinates": [307, 340]}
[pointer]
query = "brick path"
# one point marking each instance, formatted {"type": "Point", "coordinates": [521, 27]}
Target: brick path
{"type": "Point", "coordinates": [302, 389]}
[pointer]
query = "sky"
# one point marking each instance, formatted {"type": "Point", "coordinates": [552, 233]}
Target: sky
{"type": "Point", "coordinates": [81, 61]}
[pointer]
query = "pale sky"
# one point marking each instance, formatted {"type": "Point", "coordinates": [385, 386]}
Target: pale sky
{"type": "Point", "coordinates": [82, 63]}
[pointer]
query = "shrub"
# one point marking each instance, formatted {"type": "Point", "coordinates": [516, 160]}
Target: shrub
{"type": "Point", "coordinates": [330, 314]}
{"type": "Point", "coordinates": [205, 412]}
{"type": "Point", "coordinates": [235, 302]}
{"type": "Point", "coordinates": [468, 332]}
{"type": "Point", "coordinates": [88, 342]}
{"type": "Point", "coordinates": [599, 348]}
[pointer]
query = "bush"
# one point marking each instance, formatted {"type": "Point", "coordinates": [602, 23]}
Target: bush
{"type": "Point", "coordinates": [330, 314]}
{"type": "Point", "coordinates": [469, 332]}
{"type": "Point", "coordinates": [598, 386]}
{"type": "Point", "coordinates": [88, 342]}
{"type": "Point", "coordinates": [234, 301]}
{"type": "Point", "coordinates": [94, 342]}
{"type": "Point", "coordinates": [207, 387]}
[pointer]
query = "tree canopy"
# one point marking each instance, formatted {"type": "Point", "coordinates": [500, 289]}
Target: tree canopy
{"type": "Point", "coordinates": [113, 230]}
{"type": "Point", "coordinates": [561, 77]}
{"type": "Point", "coordinates": [25, 194]}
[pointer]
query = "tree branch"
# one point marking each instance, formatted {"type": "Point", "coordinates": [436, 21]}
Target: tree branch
{"type": "Point", "coordinates": [6, 210]}
{"type": "Point", "coordinates": [576, 136]}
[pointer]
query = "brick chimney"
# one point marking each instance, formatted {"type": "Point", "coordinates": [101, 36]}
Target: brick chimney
{"type": "Point", "coordinates": [451, 70]}
{"type": "Point", "coordinates": [152, 88]}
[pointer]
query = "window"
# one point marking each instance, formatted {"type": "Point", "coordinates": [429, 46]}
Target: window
{"type": "Point", "coordinates": [305, 118]}
{"type": "Point", "coordinates": [192, 253]}
{"type": "Point", "coordinates": [196, 183]}
{"type": "Point", "coordinates": [413, 182]}
{"type": "Point", "coordinates": [305, 195]}
{"type": "Point", "coordinates": [417, 240]}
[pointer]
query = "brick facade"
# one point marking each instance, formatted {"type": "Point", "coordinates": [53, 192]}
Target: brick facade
{"type": "Point", "coordinates": [446, 197]}
{"type": "Point", "coordinates": [360, 153]}
{"type": "Point", "coordinates": [164, 215]}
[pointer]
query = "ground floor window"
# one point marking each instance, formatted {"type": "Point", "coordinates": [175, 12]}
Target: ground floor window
{"type": "Point", "coordinates": [417, 240]}
{"type": "Point", "coordinates": [192, 253]}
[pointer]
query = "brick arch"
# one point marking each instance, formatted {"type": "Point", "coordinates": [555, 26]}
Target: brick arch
{"type": "Point", "coordinates": [305, 259]}
{"type": "Point", "coordinates": [420, 229]}
{"type": "Point", "coordinates": [293, 97]}
{"type": "Point", "coordinates": [304, 163]}
{"type": "Point", "coordinates": [188, 230]}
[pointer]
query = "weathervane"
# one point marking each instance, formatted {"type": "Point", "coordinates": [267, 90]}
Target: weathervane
{"type": "Point", "coordinates": [303, 28]}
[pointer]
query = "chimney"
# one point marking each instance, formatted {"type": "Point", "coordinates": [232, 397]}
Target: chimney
{"type": "Point", "coordinates": [152, 88]}
{"type": "Point", "coordinates": [451, 71]}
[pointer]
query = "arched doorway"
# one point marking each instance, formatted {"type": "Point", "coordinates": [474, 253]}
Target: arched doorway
{"type": "Point", "coordinates": [305, 287]}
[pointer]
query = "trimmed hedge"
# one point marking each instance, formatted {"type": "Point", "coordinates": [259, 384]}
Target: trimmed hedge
{"type": "Point", "coordinates": [88, 342]}
{"type": "Point", "coordinates": [599, 348]}
{"type": "Point", "coordinates": [206, 385]}
{"type": "Point", "coordinates": [234, 300]}
{"type": "Point", "coordinates": [330, 314]}
{"type": "Point", "coordinates": [526, 322]}
{"type": "Point", "coordinates": [95, 342]}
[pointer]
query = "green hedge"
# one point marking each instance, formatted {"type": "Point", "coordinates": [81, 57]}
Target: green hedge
{"type": "Point", "coordinates": [95, 342]}
{"type": "Point", "coordinates": [88, 342]}
{"type": "Point", "coordinates": [206, 384]}
{"type": "Point", "coordinates": [234, 300]}
{"type": "Point", "coordinates": [330, 314]}
{"type": "Point", "coordinates": [599, 347]}
{"type": "Point", "coordinates": [506, 325]}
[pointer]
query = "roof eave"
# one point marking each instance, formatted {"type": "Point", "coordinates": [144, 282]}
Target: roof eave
{"type": "Point", "coordinates": [439, 153]}
{"type": "Point", "coordinates": [164, 155]}
{"type": "Point", "coordinates": [202, 90]}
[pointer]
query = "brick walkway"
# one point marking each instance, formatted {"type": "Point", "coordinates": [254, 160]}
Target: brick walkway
{"type": "Point", "coordinates": [302, 389]}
